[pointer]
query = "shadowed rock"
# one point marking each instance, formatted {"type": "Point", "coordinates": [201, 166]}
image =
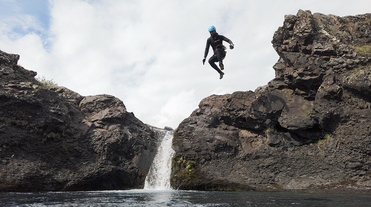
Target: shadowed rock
{"type": "Point", "coordinates": [52, 138]}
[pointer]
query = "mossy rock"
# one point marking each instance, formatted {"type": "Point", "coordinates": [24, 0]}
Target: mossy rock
{"type": "Point", "coordinates": [187, 175]}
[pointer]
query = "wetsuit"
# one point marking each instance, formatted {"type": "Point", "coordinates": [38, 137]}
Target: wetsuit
{"type": "Point", "coordinates": [216, 42]}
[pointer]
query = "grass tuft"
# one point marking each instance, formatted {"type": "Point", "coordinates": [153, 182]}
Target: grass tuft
{"type": "Point", "coordinates": [46, 82]}
{"type": "Point", "coordinates": [363, 50]}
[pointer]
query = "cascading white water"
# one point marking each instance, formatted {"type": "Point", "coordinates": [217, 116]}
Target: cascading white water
{"type": "Point", "coordinates": [158, 177]}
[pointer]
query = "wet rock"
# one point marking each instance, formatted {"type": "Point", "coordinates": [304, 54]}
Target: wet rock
{"type": "Point", "coordinates": [168, 128]}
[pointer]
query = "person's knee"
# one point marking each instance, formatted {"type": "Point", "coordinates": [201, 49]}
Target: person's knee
{"type": "Point", "coordinates": [211, 61]}
{"type": "Point", "coordinates": [220, 55]}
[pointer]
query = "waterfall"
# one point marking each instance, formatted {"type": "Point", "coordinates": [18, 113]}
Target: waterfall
{"type": "Point", "coordinates": [158, 177]}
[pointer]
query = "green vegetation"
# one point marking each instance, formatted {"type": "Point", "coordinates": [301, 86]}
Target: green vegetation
{"type": "Point", "coordinates": [190, 165]}
{"type": "Point", "coordinates": [308, 112]}
{"type": "Point", "coordinates": [46, 82]}
{"type": "Point", "coordinates": [186, 175]}
{"type": "Point", "coordinates": [324, 140]}
{"type": "Point", "coordinates": [182, 167]}
{"type": "Point", "coordinates": [183, 163]}
{"type": "Point", "coordinates": [362, 50]}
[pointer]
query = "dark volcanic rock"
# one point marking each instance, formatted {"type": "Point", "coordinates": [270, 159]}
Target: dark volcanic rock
{"type": "Point", "coordinates": [308, 128]}
{"type": "Point", "coordinates": [52, 138]}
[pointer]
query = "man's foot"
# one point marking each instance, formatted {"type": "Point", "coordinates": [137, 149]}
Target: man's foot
{"type": "Point", "coordinates": [221, 66]}
{"type": "Point", "coordinates": [221, 75]}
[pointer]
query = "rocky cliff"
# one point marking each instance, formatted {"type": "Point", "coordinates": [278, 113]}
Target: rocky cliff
{"type": "Point", "coordinates": [52, 138]}
{"type": "Point", "coordinates": [309, 128]}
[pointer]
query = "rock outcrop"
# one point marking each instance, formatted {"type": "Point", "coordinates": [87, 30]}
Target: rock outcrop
{"type": "Point", "coordinates": [309, 128]}
{"type": "Point", "coordinates": [52, 138]}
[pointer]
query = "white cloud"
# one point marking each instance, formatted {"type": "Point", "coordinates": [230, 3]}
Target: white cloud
{"type": "Point", "coordinates": [176, 108]}
{"type": "Point", "coordinates": [148, 53]}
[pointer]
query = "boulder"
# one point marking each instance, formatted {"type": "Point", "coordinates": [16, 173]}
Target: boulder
{"type": "Point", "coordinates": [52, 138]}
{"type": "Point", "coordinates": [308, 128]}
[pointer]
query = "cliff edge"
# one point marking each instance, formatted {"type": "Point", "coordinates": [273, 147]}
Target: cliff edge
{"type": "Point", "coordinates": [52, 138]}
{"type": "Point", "coordinates": [309, 128]}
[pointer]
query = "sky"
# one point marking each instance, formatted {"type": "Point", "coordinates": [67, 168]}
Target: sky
{"type": "Point", "coordinates": [149, 53]}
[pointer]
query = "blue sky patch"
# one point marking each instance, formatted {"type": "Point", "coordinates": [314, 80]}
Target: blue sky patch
{"type": "Point", "coordinates": [17, 14]}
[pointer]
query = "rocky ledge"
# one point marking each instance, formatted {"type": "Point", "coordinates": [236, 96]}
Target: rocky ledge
{"type": "Point", "coordinates": [309, 128]}
{"type": "Point", "coordinates": [52, 138]}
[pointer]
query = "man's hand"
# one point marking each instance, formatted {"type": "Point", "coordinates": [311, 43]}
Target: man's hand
{"type": "Point", "coordinates": [231, 46]}
{"type": "Point", "coordinates": [203, 61]}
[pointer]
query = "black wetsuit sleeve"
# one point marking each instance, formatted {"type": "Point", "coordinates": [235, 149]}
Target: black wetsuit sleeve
{"type": "Point", "coordinates": [226, 39]}
{"type": "Point", "coordinates": [207, 48]}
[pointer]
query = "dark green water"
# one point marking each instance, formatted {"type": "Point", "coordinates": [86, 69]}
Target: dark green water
{"type": "Point", "coordinates": [182, 198]}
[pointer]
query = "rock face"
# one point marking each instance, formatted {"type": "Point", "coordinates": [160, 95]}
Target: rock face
{"type": "Point", "coordinates": [52, 138]}
{"type": "Point", "coordinates": [309, 128]}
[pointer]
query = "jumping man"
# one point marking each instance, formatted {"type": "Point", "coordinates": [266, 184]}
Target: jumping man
{"type": "Point", "coordinates": [216, 42]}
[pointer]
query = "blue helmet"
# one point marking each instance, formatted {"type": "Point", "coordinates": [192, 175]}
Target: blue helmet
{"type": "Point", "coordinates": [212, 28]}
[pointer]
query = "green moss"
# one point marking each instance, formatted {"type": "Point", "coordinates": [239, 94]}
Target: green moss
{"type": "Point", "coordinates": [190, 165]}
{"type": "Point", "coordinates": [180, 160]}
{"type": "Point", "coordinates": [187, 175]}
{"type": "Point", "coordinates": [324, 140]}
{"type": "Point", "coordinates": [308, 112]}
{"type": "Point", "coordinates": [363, 50]}
{"type": "Point", "coordinates": [182, 171]}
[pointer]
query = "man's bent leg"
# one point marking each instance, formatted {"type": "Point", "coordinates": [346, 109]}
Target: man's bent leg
{"type": "Point", "coordinates": [220, 54]}
{"type": "Point", "coordinates": [212, 61]}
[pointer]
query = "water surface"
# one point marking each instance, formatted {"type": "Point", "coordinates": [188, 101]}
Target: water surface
{"type": "Point", "coordinates": [182, 198]}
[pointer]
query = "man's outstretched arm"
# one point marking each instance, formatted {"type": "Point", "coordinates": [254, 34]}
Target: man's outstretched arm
{"type": "Point", "coordinates": [206, 51]}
